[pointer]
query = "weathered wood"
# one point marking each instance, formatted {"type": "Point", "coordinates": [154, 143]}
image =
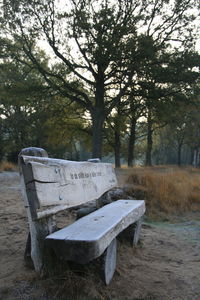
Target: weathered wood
{"type": "Point", "coordinates": [40, 255]}
{"type": "Point", "coordinates": [109, 262]}
{"type": "Point", "coordinates": [82, 212]}
{"type": "Point", "coordinates": [94, 160]}
{"type": "Point", "coordinates": [137, 229]}
{"type": "Point", "coordinates": [87, 238]}
{"type": "Point", "coordinates": [27, 252]}
{"type": "Point", "coordinates": [39, 229]}
{"type": "Point", "coordinates": [52, 185]}
{"type": "Point", "coordinates": [50, 211]}
{"type": "Point", "coordinates": [33, 151]}
{"type": "Point", "coordinates": [57, 182]}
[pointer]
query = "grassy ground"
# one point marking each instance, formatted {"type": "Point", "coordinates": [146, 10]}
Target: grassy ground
{"type": "Point", "coordinates": [167, 190]}
{"type": "Point", "coordinates": [162, 267]}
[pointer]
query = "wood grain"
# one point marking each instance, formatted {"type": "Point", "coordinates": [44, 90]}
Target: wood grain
{"type": "Point", "coordinates": [66, 184]}
{"type": "Point", "coordinates": [87, 238]}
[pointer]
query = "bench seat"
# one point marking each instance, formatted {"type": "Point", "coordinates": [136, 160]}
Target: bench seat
{"type": "Point", "coordinates": [88, 237]}
{"type": "Point", "coordinates": [52, 185]}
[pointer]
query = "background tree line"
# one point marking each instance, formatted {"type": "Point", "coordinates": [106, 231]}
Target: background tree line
{"type": "Point", "coordinates": [119, 77]}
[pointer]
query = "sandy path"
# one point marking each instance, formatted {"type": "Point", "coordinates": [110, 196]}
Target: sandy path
{"type": "Point", "coordinates": [166, 265]}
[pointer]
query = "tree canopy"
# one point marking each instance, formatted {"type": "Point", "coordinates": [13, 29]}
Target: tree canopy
{"type": "Point", "coordinates": [100, 52]}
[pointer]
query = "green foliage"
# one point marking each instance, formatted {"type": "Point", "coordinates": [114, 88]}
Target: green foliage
{"type": "Point", "coordinates": [181, 136]}
{"type": "Point", "coordinates": [137, 53]}
{"type": "Point", "coordinates": [31, 114]}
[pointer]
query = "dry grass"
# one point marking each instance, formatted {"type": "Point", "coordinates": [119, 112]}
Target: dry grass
{"type": "Point", "coordinates": [166, 189]}
{"type": "Point", "coordinates": [77, 282]}
{"type": "Point", "coordinates": [7, 166]}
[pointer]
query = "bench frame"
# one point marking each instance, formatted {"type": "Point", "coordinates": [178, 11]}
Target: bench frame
{"type": "Point", "coordinates": [42, 224]}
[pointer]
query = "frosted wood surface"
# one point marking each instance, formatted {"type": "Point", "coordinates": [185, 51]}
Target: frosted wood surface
{"type": "Point", "coordinates": [103, 220]}
{"type": "Point", "coordinates": [60, 182]}
{"type": "Point", "coordinates": [110, 260]}
{"type": "Point", "coordinates": [51, 211]}
{"type": "Point", "coordinates": [88, 237]}
{"type": "Point", "coordinates": [137, 232]}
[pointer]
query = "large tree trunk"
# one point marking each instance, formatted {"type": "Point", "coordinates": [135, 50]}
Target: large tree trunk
{"type": "Point", "coordinates": [117, 149]}
{"type": "Point", "coordinates": [179, 155]}
{"type": "Point", "coordinates": [131, 145]}
{"type": "Point", "coordinates": [192, 155]}
{"type": "Point", "coordinates": [97, 136]}
{"type": "Point", "coordinates": [149, 140]}
{"type": "Point", "coordinates": [98, 116]}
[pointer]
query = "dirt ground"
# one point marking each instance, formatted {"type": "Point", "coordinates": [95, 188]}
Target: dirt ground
{"type": "Point", "coordinates": [165, 265]}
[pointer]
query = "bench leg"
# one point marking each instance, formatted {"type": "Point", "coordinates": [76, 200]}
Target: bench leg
{"type": "Point", "coordinates": [109, 262]}
{"type": "Point", "coordinates": [36, 247]}
{"type": "Point", "coordinates": [27, 252]}
{"type": "Point", "coordinates": [137, 230]}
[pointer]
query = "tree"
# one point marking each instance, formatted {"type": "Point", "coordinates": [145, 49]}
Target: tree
{"type": "Point", "coordinates": [179, 139]}
{"type": "Point", "coordinates": [108, 45]}
{"type": "Point", "coordinates": [20, 92]}
{"type": "Point", "coordinates": [32, 114]}
{"type": "Point", "coordinates": [115, 129]}
{"type": "Point", "coordinates": [66, 130]}
{"type": "Point", "coordinates": [100, 36]}
{"type": "Point", "coordinates": [133, 111]}
{"type": "Point", "coordinates": [174, 78]}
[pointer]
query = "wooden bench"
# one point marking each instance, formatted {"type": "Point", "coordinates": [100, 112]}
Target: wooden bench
{"type": "Point", "coordinates": [52, 185]}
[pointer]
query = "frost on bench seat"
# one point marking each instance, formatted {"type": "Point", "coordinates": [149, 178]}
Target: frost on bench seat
{"type": "Point", "coordinates": [51, 185]}
{"type": "Point", "coordinates": [87, 238]}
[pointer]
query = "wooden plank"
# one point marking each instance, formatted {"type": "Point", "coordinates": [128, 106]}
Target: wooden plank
{"type": "Point", "coordinates": [66, 183]}
{"type": "Point", "coordinates": [39, 229]}
{"type": "Point", "coordinates": [137, 230]}
{"type": "Point", "coordinates": [51, 211]}
{"type": "Point", "coordinates": [110, 260]}
{"type": "Point", "coordinates": [30, 190]}
{"type": "Point", "coordinates": [88, 237]}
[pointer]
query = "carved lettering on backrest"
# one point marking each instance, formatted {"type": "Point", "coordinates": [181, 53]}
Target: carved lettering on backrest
{"type": "Point", "coordinates": [66, 184]}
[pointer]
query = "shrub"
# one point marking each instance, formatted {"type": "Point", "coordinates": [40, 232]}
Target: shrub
{"type": "Point", "coordinates": [7, 166]}
{"type": "Point", "coordinates": [168, 190]}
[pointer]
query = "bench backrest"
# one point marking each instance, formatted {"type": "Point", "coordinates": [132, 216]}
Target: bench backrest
{"type": "Point", "coordinates": [53, 185]}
